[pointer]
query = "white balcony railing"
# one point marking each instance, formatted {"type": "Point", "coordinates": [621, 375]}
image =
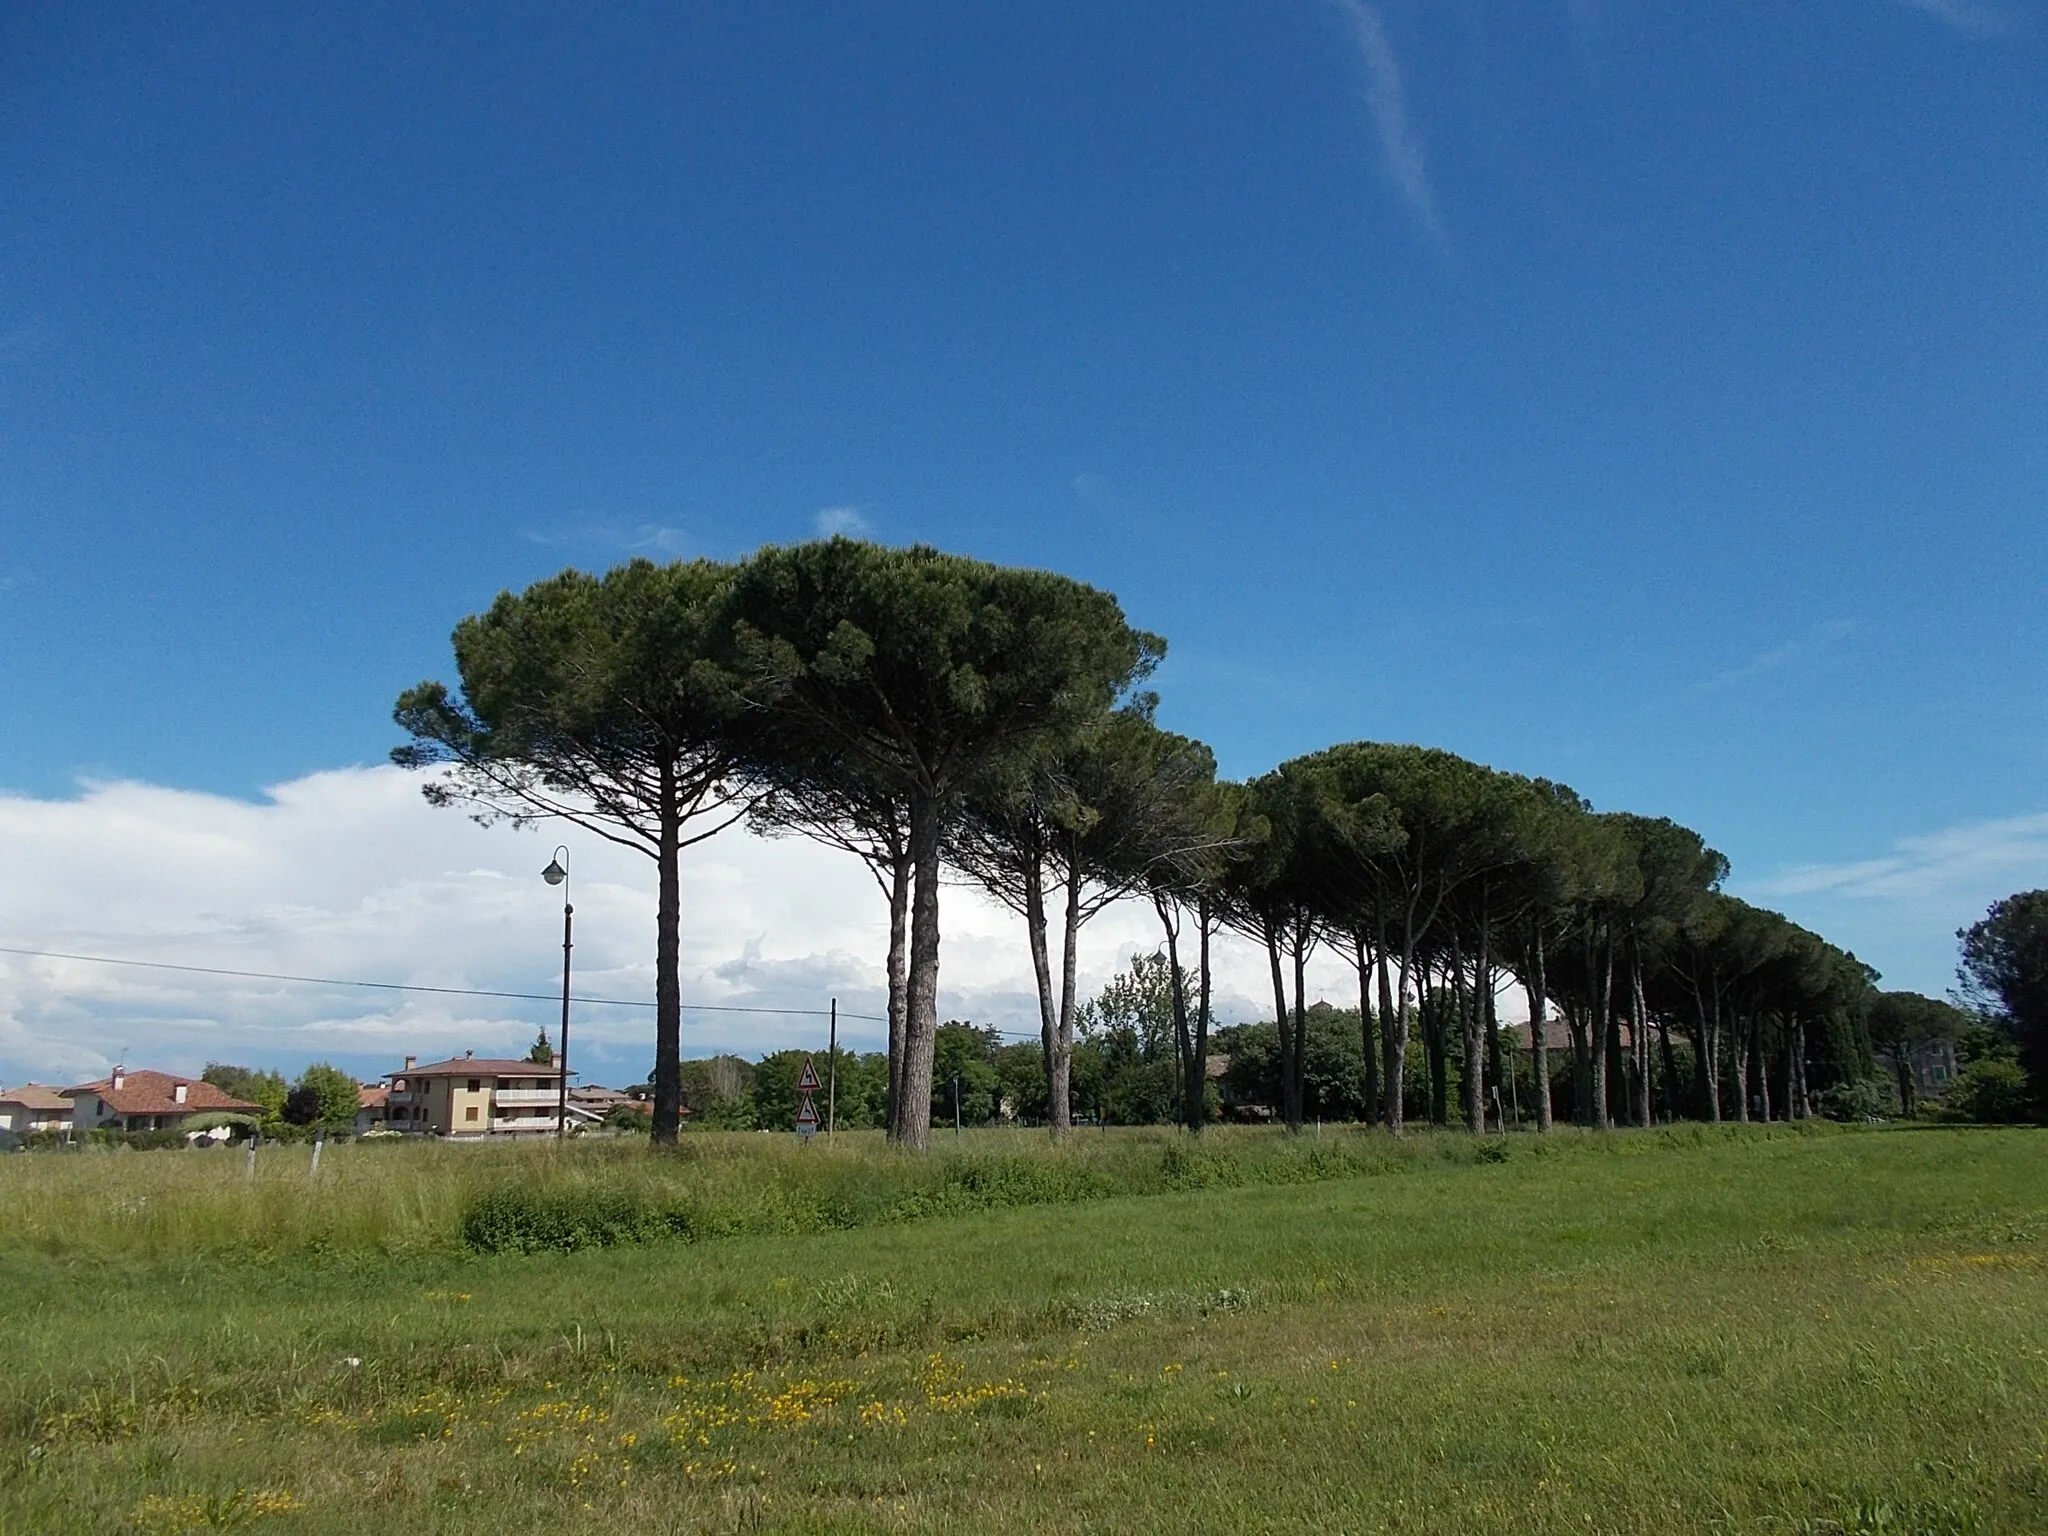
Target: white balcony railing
{"type": "Point", "coordinates": [523, 1123]}
{"type": "Point", "coordinates": [524, 1098]}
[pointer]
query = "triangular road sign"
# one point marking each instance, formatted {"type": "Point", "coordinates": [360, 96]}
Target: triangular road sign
{"type": "Point", "coordinates": [807, 1114]}
{"type": "Point", "coordinates": [807, 1080]}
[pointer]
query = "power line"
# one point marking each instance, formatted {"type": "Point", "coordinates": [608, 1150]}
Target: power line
{"type": "Point", "coordinates": [404, 986]}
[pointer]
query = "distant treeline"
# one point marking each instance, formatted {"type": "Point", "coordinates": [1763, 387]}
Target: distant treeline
{"type": "Point", "coordinates": [932, 713]}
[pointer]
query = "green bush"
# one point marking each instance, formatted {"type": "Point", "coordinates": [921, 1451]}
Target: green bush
{"type": "Point", "coordinates": [988, 1183]}
{"type": "Point", "coordinates": [139, 1141]}
{"type": "Point", "coordinates": [1857, 1100]}
{"type": "Point", "coordinates": [521, 1219]}
{"type": "Point", "coordinates": [1991, 1092]}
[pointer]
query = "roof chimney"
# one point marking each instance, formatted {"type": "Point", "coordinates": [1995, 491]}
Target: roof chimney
{"type": "Point", "coordinates": [120, 1079]}
{"type": "Point", "coordinates": [178, 1094]}
{"type": "Point", "coordinates": [411, 1062]}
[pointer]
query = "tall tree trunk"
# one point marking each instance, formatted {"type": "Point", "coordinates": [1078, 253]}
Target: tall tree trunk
{"type": "Point", "coordinates": [1574, 1011]}
{"type": "Point", "coordinates": [1199, 1114]}
{"type": "Point", "coordinates": [1539, 1028]}
{"type": "Point", "coordinates": [1297, 1096]}
{"type": "Point", "coordinates": [1390, 1086]}
{"type": "Point", "coordinates": [913, 1122]}
{"type": "Point", "coordinates": [1474, 1083]}
{"type": "Point", "coordinates": [1703, 1095]}
{"type": "Point", "coordinates": [1763, 1076]}
{"type": "Point", "coordinates": [1041, 970]}
{"type": "Point", "coordinates": [1712, 1053]}
{"type": "Point", "coordinates": [1903, 1066]}
{"type": "Point", "coordinates": [899, 942]}
{"type": "Point", "coordinates": [1742, 1030]}
{"type": "Point", "coordinates": [1496, 1066]}
{"type": "Point", "coordinates": [1674, 1096]}
{"type": "Point", "coordinates": [1804, 1088]}
{"type": "Point", "coordinates": [1186, 1057]}
{"type": "Point", "coordinates": [1582, 1016]}
{"type": "Point", "coordinates": [1613, 1078]}
{"type": "Point", "coordinates": [1365, 1041]}
{"type": "Point", "coordinates": [1436, 1041]}
{"type": "Point", "coordinates": [1062, 1080]}
{"type": "Point", "coordinates": [1280, 1024]}
{"type": "Point", "coordinates": [1394, 1035]}
{"type": "Point", "coordinates": [1639, 1028]}
{"type": "Point", "coordinates": [668, 980]}
{"type": "Point", "coordinates": [1600, 1026]}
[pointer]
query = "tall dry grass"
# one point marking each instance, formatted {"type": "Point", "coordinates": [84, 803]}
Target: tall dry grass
{"type": "Point", "coordinates": [393, 1198]}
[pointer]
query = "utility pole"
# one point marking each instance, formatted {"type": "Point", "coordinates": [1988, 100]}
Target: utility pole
{"type": "Point", "coordinates": [832, 1073]}
{"type": "Point", "coordinates": [557, 873]}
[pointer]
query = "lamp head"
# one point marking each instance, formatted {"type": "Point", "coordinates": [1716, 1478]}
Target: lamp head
{"type": "Point", "coordinates": [554, 874]}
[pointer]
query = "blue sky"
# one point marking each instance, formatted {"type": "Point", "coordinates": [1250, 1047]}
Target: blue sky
{"type": "Point", "coordinates": [1651, 397]}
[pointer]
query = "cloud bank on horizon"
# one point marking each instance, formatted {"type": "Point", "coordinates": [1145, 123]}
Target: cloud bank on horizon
{"type": "Point", "coordinates": [348, 874]}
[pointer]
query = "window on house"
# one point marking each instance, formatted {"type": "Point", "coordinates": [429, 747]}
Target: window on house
{"type": "Point", "coordinates": [474, 1085]}
{"type": "Point", "coordinates": [469, 1113]}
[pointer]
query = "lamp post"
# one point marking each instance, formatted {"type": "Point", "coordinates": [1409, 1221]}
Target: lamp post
{"type": "Point", "coordinates": [557, 873]}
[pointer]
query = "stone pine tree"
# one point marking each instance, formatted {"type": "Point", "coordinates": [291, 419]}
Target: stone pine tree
{"type": "Point", "coordinates": [1193, 887]}
{"type": "Point", "coordinates": [1559, 863]}
{"type": "Point", "coordinates": [2005, 970]}
{"type": "Point", "coordinates": [932, 672]}
{"type": "Point", "coordinates": [602, 701]}
{"type": "Point", "coordinates": [1119, 809]}
{"type": "Point", "coordinates": [1353, 839]}
{"type": "Point", "coordinates": [1675, 873]}
{"type": "Point", "coordinates": [1273, 897]}
{"type": "Point", "coordinates": [1437, 825]}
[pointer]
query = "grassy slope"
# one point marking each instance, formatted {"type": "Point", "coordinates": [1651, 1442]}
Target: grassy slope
{"type": "Point", "coordinates": [1667, 1332]}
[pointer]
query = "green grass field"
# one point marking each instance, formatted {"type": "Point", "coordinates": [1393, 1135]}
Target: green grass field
{"type": "Point", "coordinates": [1794, 1330]}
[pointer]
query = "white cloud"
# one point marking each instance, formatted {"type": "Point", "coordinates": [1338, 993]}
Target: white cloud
{"type": "Point", "coordinates": [847, 520]}
{"type": "Point", "coordinates": [1933, 869]}
{"type": "Point", "coordinates": [661, 539]}
{"type": "Point", "coordinates": [1387, 97]}
{"type": "Point", "coordinates": [1818, 640]}
{"type": "Point", "coordinates": [656, 539]}
{"type": "Point", "coordinates": [1966, 16]}
{"type": "Point", "coordinates": [349, 874]}
{"type": "Point", "coordinates": [1901, 909]}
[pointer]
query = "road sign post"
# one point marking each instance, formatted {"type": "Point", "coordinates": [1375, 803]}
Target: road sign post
{"type": "Point", "coordinates": [806, 1108]}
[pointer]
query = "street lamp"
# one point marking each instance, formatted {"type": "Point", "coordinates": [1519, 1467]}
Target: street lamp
{"type": "Point", "coordinates": [557, 873]}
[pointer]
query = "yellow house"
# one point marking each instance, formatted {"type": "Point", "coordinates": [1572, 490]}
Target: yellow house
{"type": "Point", "coordinates": [471, 1095]}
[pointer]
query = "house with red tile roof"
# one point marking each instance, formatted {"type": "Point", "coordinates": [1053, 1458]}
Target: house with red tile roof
{"type": "Point", "coordinates": [148, 1101]}
{"type": "Point", "coordinates": [32, 1107]}
{"type": "Point", "coordinates": [372, 1106]}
